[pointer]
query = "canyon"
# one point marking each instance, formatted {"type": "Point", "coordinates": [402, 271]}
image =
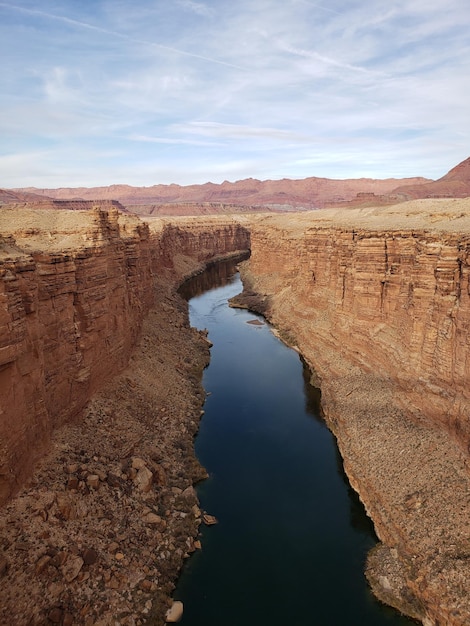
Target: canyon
{"type": "Point", "coordinates": [101, 397]}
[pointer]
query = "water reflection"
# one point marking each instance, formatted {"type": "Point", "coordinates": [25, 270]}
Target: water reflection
{"type": "Point", "coordinates": [292, 536]}
{"type": "Point", "coordinates": [216, 274]}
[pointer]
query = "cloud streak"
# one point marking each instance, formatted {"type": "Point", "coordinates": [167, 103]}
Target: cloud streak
{"type": "Point", "coordinates": [104, 31]}
{"type": "Point", "coordinates": [190, 91]}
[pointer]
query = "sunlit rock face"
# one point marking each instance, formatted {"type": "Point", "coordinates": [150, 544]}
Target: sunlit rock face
{"type": "Point", "coordinates": [393, 300]}
{"type": "Point", "coordinates": [74, 289]}
{"type": "Point", "coordinates": [376, 299]}
{"type": "Point", "coordinates": [378, 302]}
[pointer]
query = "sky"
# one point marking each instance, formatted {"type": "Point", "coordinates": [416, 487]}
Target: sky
{"type": "Point", "coordinates": [101, 92]}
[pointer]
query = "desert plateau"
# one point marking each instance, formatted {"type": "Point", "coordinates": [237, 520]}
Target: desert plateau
{"type": "Point", "coordinates": [101, 392]}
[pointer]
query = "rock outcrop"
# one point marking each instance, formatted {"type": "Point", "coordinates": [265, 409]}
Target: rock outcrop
{"type": "Point", "coordinates": [74, 290]}
{"type": "Point", "coordinates": [63, 205]}
{"type": "Point", "coordinates": [378, 302]}
{"type": "Point", "coordinates": [455, 184]}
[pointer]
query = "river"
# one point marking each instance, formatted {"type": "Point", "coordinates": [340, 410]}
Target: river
{"type": "Point", "coordinates": [291, 539]}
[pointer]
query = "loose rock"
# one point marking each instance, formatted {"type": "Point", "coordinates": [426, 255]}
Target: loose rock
{"type": "Point", "coordinates": [72, 568]}
{"type": "Point", "coordinates": [143, 479]}
{"type": "Point", "coordinates": [175, 613]}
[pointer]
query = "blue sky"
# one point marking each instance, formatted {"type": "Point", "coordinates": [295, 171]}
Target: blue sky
{"type": "Point", "coordinates": [97, 92]}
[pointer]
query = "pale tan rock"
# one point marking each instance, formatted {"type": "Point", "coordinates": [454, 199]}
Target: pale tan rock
{"type": "Point", "coordinates": [189, 493]}
{"type": "Point", "coordinates": [174, 613]}
{"type": "Point", "coordinates": [93, 481]}
{"type": "Point", "coordinates": [144, 479]}
{"type": "Point", "coordinates": [138, 463]}
{"type": "Point", "coordinates": [66, 507]}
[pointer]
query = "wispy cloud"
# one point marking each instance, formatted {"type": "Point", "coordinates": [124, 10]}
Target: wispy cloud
{"type": "Point", "coordinates": [237, 131]}
{"type": "Point", "coordinates": [104, 31]}
{"type": "Point", "coordinates": [197, 7]}
{"type": "Point", "coordinates": [169, 140]}
{"type": "Point", "coordinates": [190, 91]}
{"type": "Point", "coordinates": [316, 56]}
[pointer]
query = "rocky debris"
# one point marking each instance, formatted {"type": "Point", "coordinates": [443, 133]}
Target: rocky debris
{"type": "Point", "coordinates": [102, 529]}
{"type": "Point", "coordinates": [388, 580]}
{"type": "Point", "coordinates": [209, 520]}
{"type": "Point", "coordinates": [72, 567]}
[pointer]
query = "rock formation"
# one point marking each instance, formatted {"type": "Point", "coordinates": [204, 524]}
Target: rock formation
{"type": "Point", "coordinates": [194, 208]}
{"type": "Point", "coordinates": [378, 302]}
{"type": "Point", "coordinates": [74, 290]}
{"type": "Point", "coordinates": [455, 184]}
{"type": "Point", "coordinates": [8, 196]}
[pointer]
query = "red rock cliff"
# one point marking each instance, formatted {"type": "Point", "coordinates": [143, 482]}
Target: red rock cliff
{"type": "Point", "coordinates": [378, 302]}
{"type": "Point", "coordinates": [74, 289]}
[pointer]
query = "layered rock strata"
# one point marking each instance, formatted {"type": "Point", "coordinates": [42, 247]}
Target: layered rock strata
{"type": "Point", "coordinates": [378, 302]}
{"type": "Point", "coordinates": [376, 299]}
{"type": "Point", "coordinates": [100, 530]}
{"type": "Point", "coordinates": [74, 290]}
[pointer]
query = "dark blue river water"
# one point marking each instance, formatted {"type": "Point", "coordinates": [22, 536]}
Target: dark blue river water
{"type": "Point", "coordinates": [292, 537]}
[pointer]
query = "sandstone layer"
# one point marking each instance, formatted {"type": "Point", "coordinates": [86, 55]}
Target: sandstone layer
{"type": "Point", "coordinates": [75, 288]}
{"type": "Point", "coordinates": [378, 302]}
{"type": "Point", "coordinates": [98, 430]}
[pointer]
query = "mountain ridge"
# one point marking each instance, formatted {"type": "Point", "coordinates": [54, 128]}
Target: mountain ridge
{"type": "Point", "coordinates": [251, 193]}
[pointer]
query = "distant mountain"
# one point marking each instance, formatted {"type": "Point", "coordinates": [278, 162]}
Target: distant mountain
{"type": "Point", "coordinates": [10, 196]}
{"type": "Point", "coordinates": [252, 194]}
{"type": "Point", "coordinates": [285, 194]}
{"type": "Point", "coordinates": [455, 184]}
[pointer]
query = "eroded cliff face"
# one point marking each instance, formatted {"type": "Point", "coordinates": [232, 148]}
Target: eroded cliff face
{"type": "Point", "coordinates": [74, 290]}
{"type": "Point", "coordinates": [378, 302]}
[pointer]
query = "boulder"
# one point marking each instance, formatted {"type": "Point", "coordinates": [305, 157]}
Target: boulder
{"type": "Point", "coordinates": [174, 613]}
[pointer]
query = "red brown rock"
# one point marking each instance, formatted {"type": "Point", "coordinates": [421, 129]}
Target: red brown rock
{"type": "Point", "coordinates": [237, 197]}
{"type": "Point", "coordinates": [74, 290]}
{"type": "Point", "coordinates": [455, 184]}
{"type": "Point", "coordinates": [377, 301]}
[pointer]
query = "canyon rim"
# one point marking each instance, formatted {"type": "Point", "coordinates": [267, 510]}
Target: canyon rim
{"type": "Point", "coordinates": [101, 394]}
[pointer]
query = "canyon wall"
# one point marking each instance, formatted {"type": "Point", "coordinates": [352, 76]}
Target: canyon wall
{"type": "Point", "coordinates": [74, 290]}
{"type": "Point", "coordinates": [378, 302]}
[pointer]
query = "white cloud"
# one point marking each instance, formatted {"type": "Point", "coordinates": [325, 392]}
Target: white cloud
{"type": "Point", "coordinates": [186, 88]}
{"type": "Point", "coordinates": [197, 7]}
